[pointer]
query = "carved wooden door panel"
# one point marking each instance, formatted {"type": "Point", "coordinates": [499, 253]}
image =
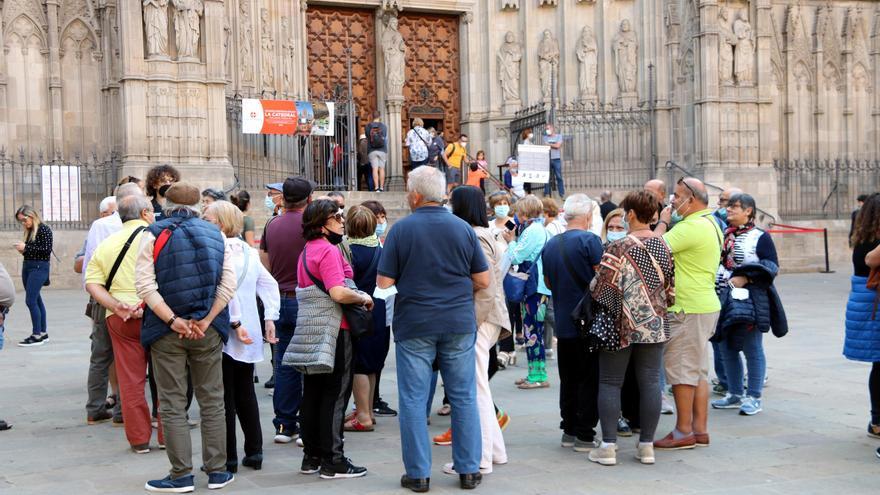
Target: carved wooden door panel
{"type": "Point", "coordinates": [330, 31]}
{"type": "Point", "coordinates": [433, 79]}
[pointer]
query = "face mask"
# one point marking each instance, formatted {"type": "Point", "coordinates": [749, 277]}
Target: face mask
{"type": "Point", "coordinates": [501, 211]}
{"type": "Point", "coordinates": [548, 132]}
{"type": "Point", "coordinates": [722, 212]}
{"type": "Point", "coordinates": [334, 238]}
{"type": "Point", "coordinates": [464, 145]}
{"type": "Point", "coordinates": [615, 236]}
{"type": "Point", "coordinates": [269, 204]}
{"type": "Point", "coordinates": [676, 216]}
{"type": "Point", "coordinates": [624, 224]}
{"type": "Point", "coordinates": [380, 228]}
{"type": "Point", "coordinates": [540, 220]}
{"type": "Point", "coordinates": [530, 136]}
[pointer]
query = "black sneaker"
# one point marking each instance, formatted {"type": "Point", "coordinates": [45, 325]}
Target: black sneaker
{"type": "Point", "coordinates": [418, 485]}
{"type": "Point", "coordinates": [310, 465]}
{"type": "Point", "coordinates": [623, 429]}
{"type": "Point", "coordinates": [44, 337]}
{"type": "Point", "coordinates": [283, 435]}
{"type": "Point", "coordinates": [469, 481]}
{"type": "Point", "coordinates": [381, 408]}
{"type": "Point", "coordinates": [341, 470]}
{"type": "Point", "coordinates": [100, 417]}
{"type": "Point", "coordinates": [270, 383]}
{"type": "Point", "coordinates": [33, 341]}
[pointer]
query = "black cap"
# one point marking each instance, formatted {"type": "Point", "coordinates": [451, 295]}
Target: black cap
{"type": "Point", "coordinates": [297, 189]}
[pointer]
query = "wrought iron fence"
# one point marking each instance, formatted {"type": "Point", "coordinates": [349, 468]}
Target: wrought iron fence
{"type": "Point", "coordinates": [259, 159]}
{"type": "Point", "coordinates": [814, 189]}
{"type": "Point", "coordinates": [66, 192]}
{"type": "Point", "coordinates": [603, 147]}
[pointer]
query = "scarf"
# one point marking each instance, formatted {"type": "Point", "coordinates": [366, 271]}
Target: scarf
{"type": "Point", "coordinates": [369, 241]}
{"type": "Point", "coordinates": [730, 235]}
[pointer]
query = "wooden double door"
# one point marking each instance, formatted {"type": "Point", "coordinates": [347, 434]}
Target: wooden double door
{"type": "Point", "coordinates": [433, 75]}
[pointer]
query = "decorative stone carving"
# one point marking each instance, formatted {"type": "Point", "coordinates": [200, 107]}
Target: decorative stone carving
{"type": "Point", "coordinates": [394, 50]}
{"type": "Point", "coordinates": [744, 57]}
{"type": "Point", "coordinates": [267, 50]}
{"type": "Point", "coordinates": [286, 52]}
{"type": "Point", "coordinates": [245, 38]}
{"type": "Point", "coordinates": [548, 3]}
{"type": "Point", "coordinates": [827, 38]}
{"type": "Point", "coordinates": [75, 9]}
{"type": "Point", "coordinates": [800, 60]}
{"type": "Point", "coordinates": [156, 27]}
{"type": "Point", "coordinates": [857, 41]}
{"type": "Point", "coordinates": [625, 49]}
{"type": "Point", "coordinates": [509, 4]}
{"type": "Point", "coordinates": [726, 41]}
{"type": "Point", "coordinates": [509, 57]}
{"type": "Point", "coordinates": [548, 63]}
{"type": "Point", "coordinates": [388, 5]}
{"type": "Point", "coordinates": [227, 58]}
{"type": "Point", "coordinates": [776, 63]}
{"type": "Point", "coordinates": [187, 19]}
{"type": "Point", "coordinates": [587, 64]}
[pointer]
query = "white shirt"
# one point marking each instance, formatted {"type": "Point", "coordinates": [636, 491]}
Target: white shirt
{"type": "Point", "coordinates": [101, 229]}
{"type": "Point", "coordinates": [516, 186]}
{"type": "Point", "coordinates": [243, 306]}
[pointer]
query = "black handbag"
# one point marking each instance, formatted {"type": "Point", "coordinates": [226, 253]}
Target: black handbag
{"type": "Point", "coordinates": [359, 318]}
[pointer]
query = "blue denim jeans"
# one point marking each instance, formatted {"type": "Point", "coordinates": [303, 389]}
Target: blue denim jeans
{"type": "Point", "coordinates": [753, 348]}
{"type": "Point", "coordinates": [556, 169]}
{"type": "Point", "coordinates": [455, 353]}
{"type": "Point", "coordinates": [3, 329]}
{"type": "Point", "coordinates": [34, 275]}
{"type": "Point", "coordinates": [288, 381]}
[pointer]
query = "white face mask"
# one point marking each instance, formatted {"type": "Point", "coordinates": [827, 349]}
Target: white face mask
{"type": "Point", "coordinates": [615, 236]}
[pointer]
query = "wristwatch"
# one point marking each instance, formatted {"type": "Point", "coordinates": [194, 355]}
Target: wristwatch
{"type": "Point", "coordinates": [171, 321]}
{"type": "Point", "coordinates": [235, 325]}
{"type": "Point", "coordinates": [663, 222]}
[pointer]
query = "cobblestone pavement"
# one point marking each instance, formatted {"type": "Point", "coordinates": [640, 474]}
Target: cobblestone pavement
{"type": "Point", "coordinates": [809, 439]}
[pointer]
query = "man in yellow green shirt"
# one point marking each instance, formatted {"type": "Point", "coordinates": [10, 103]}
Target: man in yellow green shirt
{"type": "Point", "coordinates": [455, 155]}
{"type": "Point", "coordinates": [695, 243]}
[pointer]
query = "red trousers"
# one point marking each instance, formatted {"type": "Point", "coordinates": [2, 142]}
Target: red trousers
{"type": "Point", "coordinates": [130, 360]}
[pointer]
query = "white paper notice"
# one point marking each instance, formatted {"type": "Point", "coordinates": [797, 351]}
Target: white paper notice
{"type": "Point", "coordinates": [534, 163]}
{"type": "Point", "coordinates": [384, 293]}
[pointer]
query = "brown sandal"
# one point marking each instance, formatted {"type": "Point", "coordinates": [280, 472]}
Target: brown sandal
{"type": "Point", "coordinates": [526, 385]}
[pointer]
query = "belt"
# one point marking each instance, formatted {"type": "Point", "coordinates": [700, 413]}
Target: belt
{"type": "Point", "coordinates": [288, 294]}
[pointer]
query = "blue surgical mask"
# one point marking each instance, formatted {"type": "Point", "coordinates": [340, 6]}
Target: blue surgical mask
{"type": "Point", "coordinates": [676, 216]}
{"type": "Point", "coordinates": [269, 204]}
{"type": "Point", "coordinates": [614, 236]}
{"type": "Point", "coordinates": [722, 212]}
{"type": "Point", "coordinates": [540, 220]}
{"type": "Point", "coordinates": [501, 211]}
{"type": "Point", "coordinates": [624, 224]}
{"type": "Point", "coordinates": [380, 228]}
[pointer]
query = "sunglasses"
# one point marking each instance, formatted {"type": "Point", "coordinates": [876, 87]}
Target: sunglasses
{"type": "Point", "coordinates": [337, 216]}
{"type": "Point", "coordinates": [685, 184]}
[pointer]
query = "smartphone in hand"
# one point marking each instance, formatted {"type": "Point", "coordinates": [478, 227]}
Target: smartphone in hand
{"type": "Point", "coordinates": [510, 225]}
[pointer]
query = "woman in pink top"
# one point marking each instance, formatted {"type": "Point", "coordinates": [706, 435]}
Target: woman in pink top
{"type": "Point", "coordinates": [326, 395]}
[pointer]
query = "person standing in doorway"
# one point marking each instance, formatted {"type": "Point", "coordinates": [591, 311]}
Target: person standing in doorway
{"type": "Point", "coordinates": [554, 140]}
{"type": "Point", "coordinates": [377, 138]}
{"type": "Point", "coordinates": [36, 247]}
{"type": "Point", "coordinates": [417, 141]}
{"type": "Point", "coordinates": [365, 171]}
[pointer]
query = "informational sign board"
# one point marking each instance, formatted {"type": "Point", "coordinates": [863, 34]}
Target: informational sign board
{"type": "Point", "coordinates": [61, 193]}
{"type": "Point", "coordinates": [534, 162]}
{"type": "Point", "coordinates": [302, 118]}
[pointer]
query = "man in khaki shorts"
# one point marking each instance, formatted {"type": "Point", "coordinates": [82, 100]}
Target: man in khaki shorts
{"type": "Point", "coordinates": [695, 243]}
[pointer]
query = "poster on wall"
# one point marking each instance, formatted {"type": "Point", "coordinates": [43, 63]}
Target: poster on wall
{"type": "Point", "coordinates": [61, 193]}
{"type": "Point", "coordinates": [324, 118]}
{"type": "Point", "coordinates": [305, 115]}
{"type": "Point", "coordinates": [268, 116]}
{"type": "Point", "coordinates": [534, 162]}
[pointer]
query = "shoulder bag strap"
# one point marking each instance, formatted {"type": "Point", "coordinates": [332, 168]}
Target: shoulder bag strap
{"type": "Point", "coordinates": [716, 229]}
{"type": "Point", "coordinates": [574, 274]}
{"type": "Point", "coordinates": [247, 262]}
{"type": "Point", "coordinates": [162, 240]}
{"type": "Point", "coordinates": [121, 255]}
{"type": "Point", "coordinates": [653, 260]}
{"type": "Point", "coordinates": [315, 280]}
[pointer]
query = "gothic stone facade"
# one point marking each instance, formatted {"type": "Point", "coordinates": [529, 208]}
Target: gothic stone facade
{"type": "Point", "coordinates": [737, 83]}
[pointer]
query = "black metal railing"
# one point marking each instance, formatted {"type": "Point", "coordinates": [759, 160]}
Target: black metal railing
{"type": "Point", "coordinates": [66, 192]}
{"type": "Point", "coordinates": [823, 189]}
{"type": "Point", "coordinates": [258, 159]}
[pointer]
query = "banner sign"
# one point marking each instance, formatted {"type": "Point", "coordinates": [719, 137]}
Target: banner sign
{"type": "Point", "coordinates": [300, 118]}
{"type": "Point", "coordinates": [61, 193]}
{"type": "Point", "coordinates": [534, 162]}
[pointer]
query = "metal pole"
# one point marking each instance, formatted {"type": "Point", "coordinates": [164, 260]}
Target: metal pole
{"type": "Point", "coordinates": [652, 108]}
{"type": "Point", "coordinates": [827, 261]}
{"type": "Point", "coordinates": [352, 128]}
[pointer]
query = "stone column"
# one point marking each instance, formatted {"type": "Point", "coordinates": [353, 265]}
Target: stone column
{"type": "Point", "coordinates": [4, 119]}
{"type": "Point", "coordinates": [394, 170]}
{"type": "Point", "coordinates": [56, 131]}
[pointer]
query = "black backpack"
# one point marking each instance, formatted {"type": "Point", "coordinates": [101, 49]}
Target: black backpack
{"type": "Point", "coordinates": [377, 140]}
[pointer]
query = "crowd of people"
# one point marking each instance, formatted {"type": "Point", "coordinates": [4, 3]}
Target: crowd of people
{"type": "Point", "coordinates": [625, 297]}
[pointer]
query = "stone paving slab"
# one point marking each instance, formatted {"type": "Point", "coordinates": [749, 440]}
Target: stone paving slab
{"type": "Point", "coordinates": [809, 439]}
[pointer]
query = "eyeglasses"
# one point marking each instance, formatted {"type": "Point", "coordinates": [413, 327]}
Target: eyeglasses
{"type": "Point", "coordinates": [685, 184]}
{"type": "Point", "coordinates": [338, 217]}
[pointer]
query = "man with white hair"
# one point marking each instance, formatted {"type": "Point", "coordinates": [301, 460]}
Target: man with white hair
{"type": "Point", "coordinates": [569, 260]}
{"type": "Point", "coordinates": [107, 206]}
{"type": "Point", "coordinates": [430, 323]}
{"type": "Point", "coordinates": [101, 360]}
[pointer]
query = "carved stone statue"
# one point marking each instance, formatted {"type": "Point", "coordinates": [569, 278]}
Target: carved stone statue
{"type": "Point", "coordinates": [509, 4]}
{"type": "Point", "coordinates": [727, 40]}
{"type": "Point", "coordinates": [509, 58]}
{"type": "Point", "coordinates": [227, 56]}
{"type": "Point", "coordinates": [156, 27]}
{"type": "Point", "coordinates": [286, 52]}
{"type": "Point", "coordinates": [587, 61]}
{"type": "Point", "coordinates": [267, 50]}
{"type": "Point", "coordinates": [394, 49]}
{"type": "Point", "coordinates": [626, 51]}
{"type": "Point", "coordinates": [548, 63]}
{"type": "Point", "coordinates": [245, 39]}
{"type": "Point", "coordinates": [744, 58]}
{"type": "Point", "coordinates": [187, 17]}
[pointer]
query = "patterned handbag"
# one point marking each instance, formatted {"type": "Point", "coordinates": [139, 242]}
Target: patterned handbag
{"type": "Point", "coordinates": [603, 335]}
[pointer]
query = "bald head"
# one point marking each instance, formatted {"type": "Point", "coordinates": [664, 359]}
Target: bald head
{"type": "Point", "coordinates": [127, 189]}
{"type": "Point", "coordinates": [725, 195]}
{"type": "Point", "coordinates": [693, 187]}
{"type": "Point", "coordinates": [605, 196]}
{"type": "Point", "coordinates": [658, 188]}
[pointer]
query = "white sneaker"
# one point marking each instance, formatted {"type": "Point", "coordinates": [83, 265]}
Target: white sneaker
{"type": "Point", "coordinates": [606, 456]}
{"type": "Point", "coordinates": [448, 468]}
{"type": "Point", "coordinates": [645, 453]}
{"type": "Point", "coordinates": [666, 406]}
{"type": "Point", "coordinates": [299, 442]}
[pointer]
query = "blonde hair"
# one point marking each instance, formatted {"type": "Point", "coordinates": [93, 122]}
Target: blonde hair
{"type": "Point", "coordinates": [360, 222]}
{"type": "Point", "coordinates": [611, 215]}
{"type": "Point", "coordinates": [529, 207]}
{"type": "Point", "coordinates": [29, 211]}
{"type": "Point", "coordinates": [231, 218]}
{"type": "Point", "coordinates": [551, 208]}
{"type": "Point", "coordinates": [417, 122]}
